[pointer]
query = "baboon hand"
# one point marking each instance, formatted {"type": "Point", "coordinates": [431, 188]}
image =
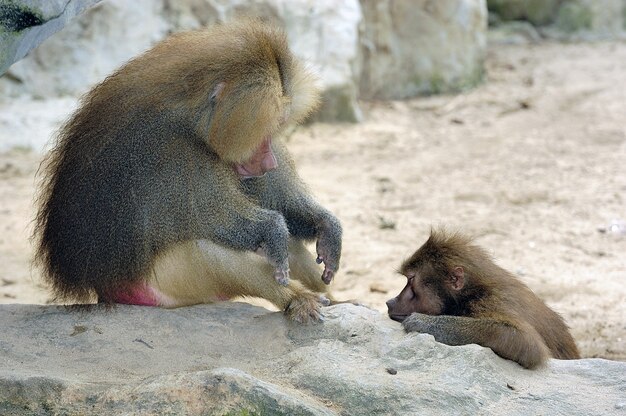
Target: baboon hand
{"type": "Point", "coordinates": [330, 259]}
{"type": "Point", "coordinates": [328, 249]}
{"type": "Point", "coordinates": [281, 274]}
{"type": "Point", "coordinates": [275, 235]}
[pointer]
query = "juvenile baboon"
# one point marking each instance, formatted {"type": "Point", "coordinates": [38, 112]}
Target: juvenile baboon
{"type": "Point", "coordinates": [167, 186]}
{"type": "Point", "coordinates": [456, 293]}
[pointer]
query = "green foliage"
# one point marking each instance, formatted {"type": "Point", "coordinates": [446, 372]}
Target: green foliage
{"type": "Point", "coordinates": [542, 12]}
{"type": "Point", "coordinates": [243, 412]}
{"type": "Point", "coordinates": [253, 412]}
{"type": "Point", "coordinates": [507, 9]}
{"type": "Point", "coordinates": [574, 16]}
{"type": "Point", "coordinates": [437, 84]}
{"type": "Point", "coordinates": [538, 12]}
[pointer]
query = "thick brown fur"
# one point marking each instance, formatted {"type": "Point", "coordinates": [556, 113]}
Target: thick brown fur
{"type": "Point", "coordinates": [144, 168]}
{"type": "Point", "coordinates": [458, 294]}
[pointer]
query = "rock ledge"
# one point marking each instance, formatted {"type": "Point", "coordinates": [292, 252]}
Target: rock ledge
{"type": "Point", "coordinates": [233, 357]}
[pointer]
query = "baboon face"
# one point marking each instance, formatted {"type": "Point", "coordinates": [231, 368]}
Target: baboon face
{"type": "Point", "coordinates": [262, 161]}
{"type": "Point", "coordinates": [417, 296]}
{"type": "Point", "coordinates": [427, 290]}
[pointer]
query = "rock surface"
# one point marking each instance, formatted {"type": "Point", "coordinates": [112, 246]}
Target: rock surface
{"type": "Point", "coordinates": [416, 47]}
{"type": "Point", "coordinates": [359, 49]}
{"type": "Point", "coordinates": [234, 358]}
{"type": "Point", "coordinates": [25, 24]}
{"type": "Point", "coordinates": [326, 34]}
{"type": "Point", "coordinates": [88, 49]}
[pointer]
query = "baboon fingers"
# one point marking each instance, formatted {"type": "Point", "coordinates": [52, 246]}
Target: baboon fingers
{"type": "Point", "coordinates": [324, 301]}
{"type": "Point", "coordinates": [282, 276]}
{"type": "Point", "coordinates": [327, 276]}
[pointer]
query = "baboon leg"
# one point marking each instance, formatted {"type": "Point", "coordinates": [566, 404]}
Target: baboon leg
{"type": "Point", "coordinates": [202, 272]}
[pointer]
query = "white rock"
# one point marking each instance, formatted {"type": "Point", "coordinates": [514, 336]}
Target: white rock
{"type": "Point", "coordinates": [31, 123]}
{"type": "Point", "coordinates": [395, 49]}
{"type": "Point", "coordinates": [325, 34]}
{"type": "Point", "coordinates": [88, 49]}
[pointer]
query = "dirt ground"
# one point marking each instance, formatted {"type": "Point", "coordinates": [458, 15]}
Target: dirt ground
{"type": "Point", "coordinates": [532, 163]}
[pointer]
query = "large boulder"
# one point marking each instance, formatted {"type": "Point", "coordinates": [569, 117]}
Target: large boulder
{"type": "Point", "coordinates": [412, 47]}
{"type": "Point", "coordinates": [323, 33]}
{"type": "Point", "coordinates": [25, 24]}
{"type": "Point", "coordinates": [234, 358]}
{"type": "Point", "coordinates": [367, 49]}
{"type": "Point", "coordinates": [89, 48]}
{"type": "Point", "coordinates": [326, 34]}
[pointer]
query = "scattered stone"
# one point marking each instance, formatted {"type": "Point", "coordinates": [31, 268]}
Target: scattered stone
{"type": "Point", "coordinates": [378, 288]}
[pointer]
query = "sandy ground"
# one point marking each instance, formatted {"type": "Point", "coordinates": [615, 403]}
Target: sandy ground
{"type": "Point", "coordinates": [532, 163]}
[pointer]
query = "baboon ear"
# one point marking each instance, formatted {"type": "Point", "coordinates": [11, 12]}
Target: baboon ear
{"type": "Point", "coordinates": [456, 279]}
{"type": "Point", "coordinates": [217, 92]}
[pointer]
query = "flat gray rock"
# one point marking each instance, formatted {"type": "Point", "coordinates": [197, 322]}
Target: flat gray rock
{"type": "Point", "coordinates": [233, 358]}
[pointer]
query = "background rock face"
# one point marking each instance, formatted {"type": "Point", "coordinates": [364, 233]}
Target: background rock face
{"type": "Point", "coordinates": [367, 49]}
{"type": "Point", "coordinates": [326, 34]}
{"type": "Point", "coordinates": [424, 46]}
{"type": "Point", "coordinates": [231, 357]}
{"type": "Point", "coordinates": [589, 19]}
{"type": "Point", "coordinates": [88, 49]}
{"type": "Point", "coordinates": [604, 17]}
{"type": "Point", "coordinates": [25, 24]}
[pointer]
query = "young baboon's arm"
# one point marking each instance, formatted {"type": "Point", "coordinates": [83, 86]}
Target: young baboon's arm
{"type": "Point", "coordinates": [511, 340]}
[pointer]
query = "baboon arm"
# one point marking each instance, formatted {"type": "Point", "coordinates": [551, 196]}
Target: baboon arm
{"type": "Point", "coordinates": [305, 217]}
{"type": "Point", "coordinates": [220, 211]}
{"type": "Point", "coordinates": [509, 339]}
{"type": "Point", "coordinates": [283, 191]}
